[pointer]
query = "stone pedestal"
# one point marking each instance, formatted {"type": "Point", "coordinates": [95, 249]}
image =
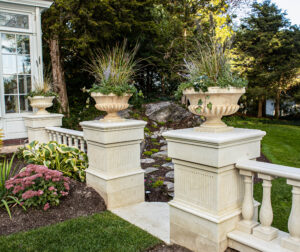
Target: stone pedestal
{"type": "Point", "coordinates": [36, 126]}
{"type": "Point", "coordinates": [208, 188]}
{"type": "Point", "coordinates": [114, 161]}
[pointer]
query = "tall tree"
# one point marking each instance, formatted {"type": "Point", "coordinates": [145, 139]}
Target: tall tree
{"type": "Point", "coordinates": [265, 44]}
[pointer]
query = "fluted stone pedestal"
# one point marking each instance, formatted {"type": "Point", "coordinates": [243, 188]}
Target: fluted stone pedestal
{"type": "Point", "coordinates": [36, 126]}
{"type": "Point", "coordinates": [114, 161]}
{"type": "Point", "coordinates": [208, 189]}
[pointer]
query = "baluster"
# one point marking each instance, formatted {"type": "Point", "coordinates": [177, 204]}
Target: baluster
{"type": "Point", "coordinates": [59, 136]}
{"type": "Point", "coordinates": [247, 224]}
{"type": "Point", "coordinates": [64, 139]}
{"type": "Point", "coordinates": [293, 241]}
{"type": "Point", "coordinates": [54, 136]}
{"type": "Point", "coordinates": [76, 142]}
{"type": "Point", "coordinates": [265, 231]}
{"type": "Point", "coordinates": [70, 144]}
{"type": "Point", "coordinates": [82, 144]}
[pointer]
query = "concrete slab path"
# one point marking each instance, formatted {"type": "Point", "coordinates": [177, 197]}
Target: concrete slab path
{"type": "Point", "coordinates": [153, 217]}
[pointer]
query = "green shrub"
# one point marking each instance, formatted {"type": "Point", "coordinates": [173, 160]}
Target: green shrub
{"type": "Point", "coordinates": [154, 140]}
{"type": "Point", "coordinates": [155, 150]}
{"type": "Point", "coordinates": [168, 159]}
{"type": "Point", "coordinates": [36, 185]}
{"type": "Point", "coordinates": [156, 144]}
{"type": "Point", "coordinates": [147, 153]}
{"type": "Point", "coordinates": [161, 123]}
{"type": "Point", "coordinates": [147, 130]}
{"type": "Point", "coordinates": [145, 119]}
{"type": "Point", "coordinates": [69, 160]}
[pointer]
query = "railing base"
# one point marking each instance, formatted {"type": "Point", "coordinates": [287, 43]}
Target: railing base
{"type": "Point", "coordinates": [249, 243]}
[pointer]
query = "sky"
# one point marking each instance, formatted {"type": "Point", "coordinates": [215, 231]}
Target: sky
{"type": "Point", "coordinates": [292, 8]}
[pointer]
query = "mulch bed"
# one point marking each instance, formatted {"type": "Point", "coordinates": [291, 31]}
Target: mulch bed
{"type": "Point", "coordinates": [82, 201]}
{"type": "Point", "coordinates": [166, 248]}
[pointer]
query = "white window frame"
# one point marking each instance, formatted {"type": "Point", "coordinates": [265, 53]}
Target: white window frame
{"type": "Point", "coordinates": [21, 30]}
{"type": "Point", "coordinates": [33, 56]}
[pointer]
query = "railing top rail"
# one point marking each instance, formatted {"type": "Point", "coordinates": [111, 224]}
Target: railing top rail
{"type": "Point", "coordinates": [66, 131]}
{"type": "Point", "coordinates": [270, 169]}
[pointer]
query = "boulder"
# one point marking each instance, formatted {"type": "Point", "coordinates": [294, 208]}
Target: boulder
{"type": "Point", "coordinates": [161, 154]}
{"type": "Point", "coordinates": [166, 111]}
{"type": "Point", "coordinates": [150, 170]}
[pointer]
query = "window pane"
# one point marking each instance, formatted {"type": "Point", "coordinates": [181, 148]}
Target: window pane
{"type": "Point", "coordinates": [23, 44]}
{"type": "Point", "coordinates": [11, 104]}
{"type": "Point", "coordinates": [14, 20]}
{"type": "Point", "coordinates": [24, 84]}
{"type": "Point", "coordinates": [9, 64]}
{"type": "Point", "coordinates": [8, 43]}
{"type": "Point", "coordinates": [24, 104]}
{"type": "Point", "coordinates": [24, 64]}
{"type": "Point", "coordinates": [10, 84]}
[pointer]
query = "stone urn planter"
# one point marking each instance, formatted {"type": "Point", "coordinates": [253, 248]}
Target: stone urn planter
{"type": "Point", "coordinates": [41, 103]}
{"type": "Point", "coordinates": [112, 104]}
{"type": "Point", "coordinates": [215, 103]}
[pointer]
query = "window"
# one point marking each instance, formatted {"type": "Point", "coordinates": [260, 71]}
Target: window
{"type": "Point", "coordinates": [16, 71]}
{"type": "Point", "coordinates": [13, 20]}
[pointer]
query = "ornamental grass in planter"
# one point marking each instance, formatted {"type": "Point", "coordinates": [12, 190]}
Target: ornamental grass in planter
{"type": "Point", "coordinates": [113, 70]}
{"type": "Point", "coordinates": [42, 96]}
{"type": "Point", "coordinates": [212, 88]}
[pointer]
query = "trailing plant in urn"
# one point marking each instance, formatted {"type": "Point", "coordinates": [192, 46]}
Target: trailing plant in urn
{"type": "Point", "coordinates": [113, 70]}
{"type": "Point", "coordinates": [211, 87]}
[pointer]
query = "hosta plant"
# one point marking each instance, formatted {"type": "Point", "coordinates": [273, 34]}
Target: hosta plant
{"type": "Point", "coordinates": [71, 161]}
{"type": "Point", "coordinates": [6, 198]}
{"type": "Point", "coordinates": [38, 186]}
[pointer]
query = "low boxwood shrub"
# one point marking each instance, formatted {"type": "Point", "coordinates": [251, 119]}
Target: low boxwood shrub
{"type": "Point", "coordinates": [71, 161]}
{"type": "Point", "coordinates": [38, 186]}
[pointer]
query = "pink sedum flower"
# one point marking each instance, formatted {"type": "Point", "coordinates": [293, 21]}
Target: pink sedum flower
{"type": "Point", "coordinates": [46, 207]}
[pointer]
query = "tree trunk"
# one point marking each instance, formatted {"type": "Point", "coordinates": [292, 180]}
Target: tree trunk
{"type": "Point", "coordinates": [58, 75]}
{"type": "Point", "coordinates": [277, 105]}
{"type": "Point", "coordinates": [260, 107]}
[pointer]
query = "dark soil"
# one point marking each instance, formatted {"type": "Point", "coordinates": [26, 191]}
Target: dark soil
{"type": "Point", "coordinates": [81, 201]}
{"type": "Point", "coordinates": [166, 248]}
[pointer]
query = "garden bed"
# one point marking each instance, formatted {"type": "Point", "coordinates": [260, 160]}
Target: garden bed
{"type": "Point", "coordinates": [82, 201]}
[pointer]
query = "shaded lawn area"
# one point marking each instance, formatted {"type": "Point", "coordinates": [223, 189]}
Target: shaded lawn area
{"type": "Point", "coordinates": [281, 146]}
{"type": "Point", "coordinates": [100, 232]}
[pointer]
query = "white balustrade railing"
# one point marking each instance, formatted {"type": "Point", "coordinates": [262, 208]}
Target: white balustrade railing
{"type": "Point", "coordinates": [267, 172]}
{"type": "Point", "coordinates": [72, 138]}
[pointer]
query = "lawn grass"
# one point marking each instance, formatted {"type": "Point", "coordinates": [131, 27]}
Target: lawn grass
{"type": "Point", "coordinates": [281, 146]}
{"type": "Point", "coordinates": [100, 232]}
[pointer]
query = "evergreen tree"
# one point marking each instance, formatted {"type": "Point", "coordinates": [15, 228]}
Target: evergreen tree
{"type": "Point", "coordinates": [267, 49]}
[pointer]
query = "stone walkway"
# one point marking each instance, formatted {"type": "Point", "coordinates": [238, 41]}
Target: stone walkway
{"type": "Point", "coordinates": [153, 217]}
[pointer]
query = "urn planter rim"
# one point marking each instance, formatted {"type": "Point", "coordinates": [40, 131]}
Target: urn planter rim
{"type": "Point", "coordinates": [95, 94]}
{"type": "Point", "coordinates": [216, 90]}
{"type": "Point", "coordinates": [40, 97]}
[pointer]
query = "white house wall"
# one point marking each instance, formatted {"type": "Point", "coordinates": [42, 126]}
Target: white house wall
{"type": "Point", "coordinates": [13, 124]}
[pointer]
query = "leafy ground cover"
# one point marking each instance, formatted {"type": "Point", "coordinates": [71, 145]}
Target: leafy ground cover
{"type": "Point", "coordinates": [99, 232]}
{"type": "Point", "coordinates": [281, 146]}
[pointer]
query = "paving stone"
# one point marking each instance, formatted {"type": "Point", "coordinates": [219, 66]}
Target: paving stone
{"type": "Point", "coordinates": [150, 169]}
{"type": "Point", "coordinates": [164, 148]}
{"type": "Point", "coordinates": [170, 174]}
{"type": "Point", "coordinates": [168, 165]}
{"type": "Point", "coordinates": [171, 194]}
{"type": "Point", "coordinates": [170, 185]}
{"type": "Point", "coordinates": [147, 161]}
{"type": "Point", "coordinates": [163, 141]}
{"type": "Point", "coordinates": [161, 154]}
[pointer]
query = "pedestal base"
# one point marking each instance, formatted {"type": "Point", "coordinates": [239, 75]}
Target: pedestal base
{"type": "Point", "coordinates": [267, 234]}
{"type": "Point", "coordinates": [198, 231]}
{"type": "Point", "coordinates": [118, 191]}
{"type": "Point", "coordinates": [247, 227]}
